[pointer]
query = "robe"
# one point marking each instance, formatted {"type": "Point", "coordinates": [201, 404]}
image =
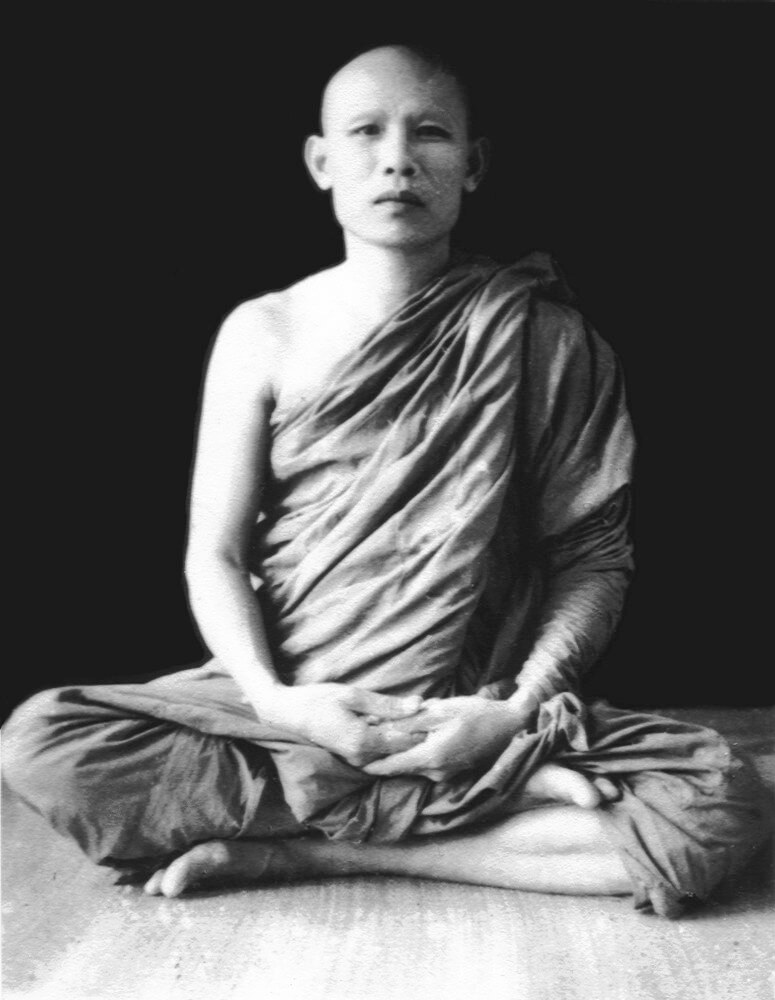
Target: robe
{"type": "Point", "coordinates": [426, 516]}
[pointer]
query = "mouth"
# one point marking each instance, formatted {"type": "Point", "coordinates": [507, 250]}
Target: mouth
{"type": "Point", "coordinates": [399, 197]}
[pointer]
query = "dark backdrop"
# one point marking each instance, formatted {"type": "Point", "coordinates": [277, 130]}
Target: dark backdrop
{"type": "Point", "coordinates": [162, 184]}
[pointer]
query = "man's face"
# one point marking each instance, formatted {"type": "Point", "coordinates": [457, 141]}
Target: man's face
{"type": "Point", "coordinates": [395, 150]}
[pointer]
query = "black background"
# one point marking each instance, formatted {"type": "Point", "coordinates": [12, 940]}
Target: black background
{"type": "Point", "coordinates": [161, 183]}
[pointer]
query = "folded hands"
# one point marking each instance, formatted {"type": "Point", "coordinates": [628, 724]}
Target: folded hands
{"type": "Point", "coordinates": [386, 735]}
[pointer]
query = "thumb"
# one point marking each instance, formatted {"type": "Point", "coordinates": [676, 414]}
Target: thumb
{"type": "Point", "coordinates": [385, 706]}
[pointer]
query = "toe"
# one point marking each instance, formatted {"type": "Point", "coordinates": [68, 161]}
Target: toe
{"type": "Point", "coordinates": [153, 886]}
{"type": "Point", "coordinates": [181, 875]}
{"type": "Point", "coordinates": [607, 789]}
{"type": "Point", "coordinates": [584, 793]}
{"type": "Point", "coordinates": [197, 866]}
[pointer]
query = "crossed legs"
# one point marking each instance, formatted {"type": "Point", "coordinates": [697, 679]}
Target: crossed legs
{"type": "Point", "coordinates": [128, 786]}
{"type": "Point", "coordinates": [558, 848]}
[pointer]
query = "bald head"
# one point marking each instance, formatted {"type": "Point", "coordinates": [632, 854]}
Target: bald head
{"type": "Point", "coordinates": [406, 64]}
{"type": "Point", "coordinates": [395, 149]}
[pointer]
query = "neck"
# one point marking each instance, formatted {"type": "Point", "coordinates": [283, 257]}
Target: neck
{"type": "Point", "coordinates": [379, 279]}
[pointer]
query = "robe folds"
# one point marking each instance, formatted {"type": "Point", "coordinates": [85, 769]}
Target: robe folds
{"type": "Point", "coordinates": [423, 510]}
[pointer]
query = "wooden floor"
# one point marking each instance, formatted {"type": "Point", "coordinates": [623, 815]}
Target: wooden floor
{"type": "Point", "coordinates": [70, 933]}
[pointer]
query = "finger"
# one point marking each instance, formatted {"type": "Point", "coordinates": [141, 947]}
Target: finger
{"type": "Point", "coordinates": [413, 724]}
{"type": "Point", "coordinates": [384, 706]}
{"type": "Point", "coordinates": [408, 762]}
{"type": "Point", "coordinates": [435, 775]}
{"type": "Point", "coordinates": [383, 741]}
{"type": "Point", "coordinates": [428, 717]}
{"type": "Point", "coordinates": [407, 725]}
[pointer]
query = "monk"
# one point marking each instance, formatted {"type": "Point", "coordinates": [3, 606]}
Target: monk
{"type": "Point", "coordinates": [408, 542]}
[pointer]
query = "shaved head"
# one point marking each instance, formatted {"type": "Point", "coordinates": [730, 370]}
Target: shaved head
{"type": "Point", "coordinates": [395, 148]}
{"type": "Point", "coordinates": [423, 63]}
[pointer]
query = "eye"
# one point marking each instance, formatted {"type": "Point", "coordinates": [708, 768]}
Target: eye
{"type": "Point", "coordinates": [429, 131]}
{"type": "Point", "coordinates": [368, 128]}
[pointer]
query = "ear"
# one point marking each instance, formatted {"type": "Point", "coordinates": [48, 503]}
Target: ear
{"type": "Point", "coordinates": [478, 161]}
{"type": "Point", "coordinates": [315, 155]}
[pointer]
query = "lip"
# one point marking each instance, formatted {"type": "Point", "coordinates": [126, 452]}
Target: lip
{"type": "Point", "coordinates": [401, 197]}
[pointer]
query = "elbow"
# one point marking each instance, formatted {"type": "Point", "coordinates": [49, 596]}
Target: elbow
{"type": "Point", "coordinates": [202, 563]}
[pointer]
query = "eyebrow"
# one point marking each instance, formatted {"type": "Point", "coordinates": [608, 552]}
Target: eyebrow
{"type": "Point", "coordinates": [438, 114]}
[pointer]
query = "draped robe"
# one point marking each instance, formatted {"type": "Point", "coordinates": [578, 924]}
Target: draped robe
{"type": "Point", "coordinates": [422, 513]}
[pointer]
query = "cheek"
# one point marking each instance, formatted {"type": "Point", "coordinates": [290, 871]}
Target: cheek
{"type": "Point", "coordinates": [345, 167]}
{"type": "Point", "coordinates": [449, 189]}
{"type": "Point", "coordinates": [347, 183]}
{"type": "Point", "coordinates": [448, 174]}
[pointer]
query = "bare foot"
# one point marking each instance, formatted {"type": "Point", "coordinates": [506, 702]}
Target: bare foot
{"type": "Point", "coordinates": [223, 862]}
{"type": "Point", "coordinates": [561, 784]}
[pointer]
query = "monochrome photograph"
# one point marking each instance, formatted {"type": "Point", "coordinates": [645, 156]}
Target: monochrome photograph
{"type": "Point", "coordinates": [388, 481]}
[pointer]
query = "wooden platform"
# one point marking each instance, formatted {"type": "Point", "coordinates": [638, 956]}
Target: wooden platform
{"type": "Point", "coordinates": [70, 934]}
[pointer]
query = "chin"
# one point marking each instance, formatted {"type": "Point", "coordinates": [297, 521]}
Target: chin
{"type": "Point", "coordinates": [408, 233]}
{"type": "Point", "coordinates": [413, 239]}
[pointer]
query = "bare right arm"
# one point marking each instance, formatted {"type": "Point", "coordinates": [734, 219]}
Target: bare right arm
{"type": "Point", "coordinates": [228, 481]}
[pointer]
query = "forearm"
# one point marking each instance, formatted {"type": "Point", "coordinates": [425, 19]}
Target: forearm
{"type": "Point", "coordinates": [332, 716]}
{"type": "Point", "coordinates": [578, 618]}
{"type": "Point", "coordinates": [586, 571]}
{"type": "Point", "coordinates": [229, 617]}
{"type": "Point", "coordinates": [576, 489]}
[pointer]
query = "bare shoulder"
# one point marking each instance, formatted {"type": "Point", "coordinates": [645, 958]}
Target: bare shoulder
{"type": "Point", "coordinates": [267, 327]}
{"type": "Point", "coordinates": [256, 353]}
{"type": "Point", "coordinates": [251, 344]}
{"type": "Point", "coordinates": [307, 299]}
{"type": "Point", "coordinates": [256, 327]}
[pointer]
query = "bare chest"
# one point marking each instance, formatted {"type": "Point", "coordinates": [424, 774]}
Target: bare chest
{"type": "Point", "coordinates": [323, 341]}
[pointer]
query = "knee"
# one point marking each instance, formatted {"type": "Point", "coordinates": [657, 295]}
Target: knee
{"type": "Point", "coordinates": [30, 739]}
{"type": "Point", "coordinates": [84, 767]}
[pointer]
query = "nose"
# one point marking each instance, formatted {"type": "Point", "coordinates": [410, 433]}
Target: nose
{"type": "Point", "coordinates": [397, 154]}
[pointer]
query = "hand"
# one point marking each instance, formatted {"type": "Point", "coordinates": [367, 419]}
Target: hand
{"type": "Point", "coordinates": [461, 733]}
{"type": "Point", "coordinates": [352, 722]}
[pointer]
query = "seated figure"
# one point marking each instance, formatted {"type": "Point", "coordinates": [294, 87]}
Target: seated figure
{"type": "Point", "coordinates": [408, 542]}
